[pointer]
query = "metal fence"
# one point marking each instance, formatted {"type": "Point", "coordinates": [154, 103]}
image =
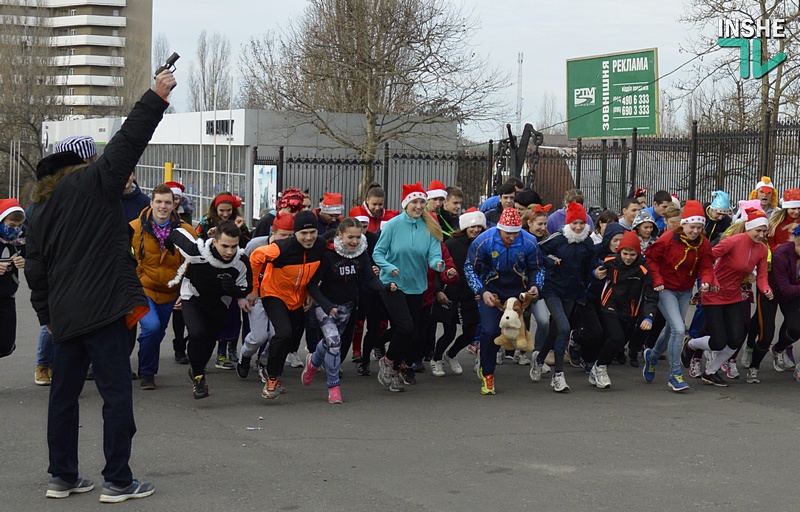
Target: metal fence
{"type": "Point", "coordinates": [351, 176]}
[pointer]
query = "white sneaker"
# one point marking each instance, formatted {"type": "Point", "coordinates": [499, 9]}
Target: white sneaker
{"type": "Point", "coordinates": [536, 368]}
{"type": "Point", "coordinates": [453, 363]}
{"type": "Point", "coordinates": [730, 369]}
{"type": "Point", "coordinates": [777, 361]}
{"type": "Point", "coordinates": [695, 368]}
{"type": "Point", "coordinates": [499, 358]}
{"type": "Point", "coordinates": [559, 383]}
{"type": "Point", "coordinates": [747, 357]}
{"type": "Point", "coordinates": [599, 377]}
{"type": "Point", "coordinates": [545, 369]}
{"type": "Point", "coordinates": [437, 368]}
{"type": "Point", "coordinates": [521, 358]}
{"type": "Point", "coordinates": [752, 376]}
{"type": "Point", "coordinates": [294, 361]}
{"type": "Point", "coordinates": [787, 360]}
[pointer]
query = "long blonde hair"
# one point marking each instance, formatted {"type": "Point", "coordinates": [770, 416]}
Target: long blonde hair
{"type": "Point", "coordinates": [433, 226]}
{"type": "Point", "coordinates": [777, 218]}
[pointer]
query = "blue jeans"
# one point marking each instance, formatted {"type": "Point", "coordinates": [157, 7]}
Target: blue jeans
{"type": "Point", "coordinates": [673, 305]}
{"type": "Point", "coordinates": [44, 354]}
{"type": "Point", "coordinates": [558, 334]}
{"type": "Point", "coordinates": [490, 322]}
{"type": "Point", "coordinates": [328, 349]}
{"type": "Point", "coordinates": [107, 348]}
{"type": "Point", "coordinates": [154, 326]}
{"type": "Point", "coordinates": [542, 316]}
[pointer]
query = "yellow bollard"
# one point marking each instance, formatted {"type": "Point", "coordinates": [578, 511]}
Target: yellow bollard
{"type": "Point", "coordinates": [167, 171]}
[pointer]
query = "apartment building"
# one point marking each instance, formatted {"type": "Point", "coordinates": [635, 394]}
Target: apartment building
{"type": "Point", "coordinates": [100, 49]}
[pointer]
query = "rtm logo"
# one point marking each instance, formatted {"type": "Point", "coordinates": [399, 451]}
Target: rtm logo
{"type": "Point", "coordinates": [584, 96]}
{"type": "Point", "coordinates": [737, 34]}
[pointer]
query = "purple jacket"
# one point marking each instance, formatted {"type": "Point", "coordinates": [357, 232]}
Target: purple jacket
{"type": "Point", "coordinates": [783, 277]}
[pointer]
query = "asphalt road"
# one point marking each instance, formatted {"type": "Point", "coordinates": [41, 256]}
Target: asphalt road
{"type": "Point", "coordinates": [440, 446]}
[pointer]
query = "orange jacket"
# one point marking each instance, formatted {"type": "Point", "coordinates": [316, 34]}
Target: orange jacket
{"type": "Point", "coordinates": [287, 267]}
{"type": "Point", "coordinates": [155, 267]}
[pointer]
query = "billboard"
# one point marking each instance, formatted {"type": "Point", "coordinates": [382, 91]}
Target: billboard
{"type": "Point", "coordinates": [609, 95]}
{"type": "Point", "coordinates": [265, 189]}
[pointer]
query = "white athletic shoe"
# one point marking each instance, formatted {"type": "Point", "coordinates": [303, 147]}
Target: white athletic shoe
{"type": "Point", "coordinates": [453, 363]}
{"type": "Point", "coordinates": [437, 368]}
{"type": "Point", "coordinates": [294, 361]}
{"type": "Point", "coordinates": [599, 377]}
{"type": "Point", "coordinates": [521, 358]}
{"type": "Point", "coordinates": [752, 376]}
{"type": "Point", "coordinates": [536, 368]}
{"type": "Point", "coordinates": [559, 383]}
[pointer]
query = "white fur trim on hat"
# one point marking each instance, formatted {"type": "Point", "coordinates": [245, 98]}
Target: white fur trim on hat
{"type": "Point", "coordinates": [334, 209]}
{"type": "Point", "coordinates": [698, 219]}
{"type": "Point", "coordinates": [362, 218]}
{"type": "Point", "coordinates": [758, 221]}
{"type": "Point", "coordinates": [469, 219]}
{"type": "Point", "coordinates": [790, 204]}
{"type": "Point", "coordinates": [5, 213]}
{"type": "Point", "coordinates": [176, 191]}
{"type": "Point", "coordinates": [509, 229]}
{"type": "Point", "coordinates": [437, 192]}
{"type": "Point", "coordinates": [413, 195]}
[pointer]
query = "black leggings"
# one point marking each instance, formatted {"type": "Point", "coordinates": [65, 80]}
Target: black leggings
{"type": "Point", "coordinates": [466, 314]}
{"type": "Point", "coordinates": [178, 328]}
{"type": "Point", "coordinates": [788, 333]}
{"type": "Point", "coordinates": [725, 325]}
{"type": "Point", "coordinates": [762, 324]}
{"type": "Point", "coordinates": [204, 322]}
{"type": "Point", "coordinates": [289, 326]}
{"type": "Point", "coordinates": [8, 319]}
{"type": "Point", "coordinates": [376, 317]}
{"type": "Point", "coordinates": [404, 311]}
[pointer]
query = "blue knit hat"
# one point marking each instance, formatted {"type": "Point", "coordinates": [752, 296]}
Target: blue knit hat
{"type": "Point", "coordinates": [721, 202]}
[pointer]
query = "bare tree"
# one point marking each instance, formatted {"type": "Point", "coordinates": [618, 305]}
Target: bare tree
{"type": "Point", "coordinates": [29, 93]}
{"type": "Point", "coordinates": [716, 87]}
{"type": "Point", "coordinates": [210, 75]}
{"type": "Point", "coordinates": [550, 119]}
{"type": "Point", "coordinates": [400, 63]}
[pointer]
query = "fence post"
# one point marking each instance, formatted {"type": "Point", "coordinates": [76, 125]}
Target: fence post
{"type": "Point", "coordinates": [765, 153]}
{"type": "Point", "coordinates": [603, 172]}
{"type": "Point", "coordinates": [693, 163]}
{"type": "Point", "coordinates": [623, 161]}
{"type": "Point", "coordinates": [279, 177]}
{"type": "Point", "coordinates": [578, 164]}
{"type": "Point", "coordinates": [386, 167]}
{"type": "Point", "coordinates": [634, 160]}
{"type": "Point", "coordinates": [491, 169]}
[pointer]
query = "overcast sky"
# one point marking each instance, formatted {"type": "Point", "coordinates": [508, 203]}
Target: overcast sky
{"type": "Point", "coordinates": [548, 32]}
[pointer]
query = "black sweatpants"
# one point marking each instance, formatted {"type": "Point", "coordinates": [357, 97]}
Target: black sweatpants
{"type": "Point", "coordinates": [617, 332]}
{"type": "Point", "coordinates": [466, 314]}
{"type": "Point", "coordinates": [404, 312]}
{"type": "Point", "coordinates": [8, 319]}
{"type": "Point", "coordinates": [204, 322]}
{"type": "Point", "coordinates": [289, 327]}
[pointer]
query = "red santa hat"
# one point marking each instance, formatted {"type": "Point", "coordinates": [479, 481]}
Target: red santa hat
{"type": "Point", "coordinates": [176, 187]}
{"type": "Point", "coordinates": [359, 213]}
{"type": "Point", "coordinates": [411, 192]}
{"type": "Point", "coordinates": [437, 189]}
{"type": "Point", "coordinates": [8, 206]}
{"type": "Point", "coordinates": [630, 240]}
{"type": "Point", "coordinates": [332, 204]}
{"type": "Point", "coordinates": [791, 198]}
{"type": "Point", "coordinates": [510, 221]}
{"type": "Point", "coordinates": [284, 221]}
{"type": "Point", "coordinates": [693, 213]}
{"type": "Point", "coordinates": [755, 218]}
{"type": "Point", "coordinates": [472, 217]}
{"type": "Point", "coordinates": [675, 200]}
{"type": "Point", "coordinates": [575, 211]}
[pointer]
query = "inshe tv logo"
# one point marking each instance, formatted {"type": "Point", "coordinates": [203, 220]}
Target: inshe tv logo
{"type": "Point", "coordinates": [738, 33]}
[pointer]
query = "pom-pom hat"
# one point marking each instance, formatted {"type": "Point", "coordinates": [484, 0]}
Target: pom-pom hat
{"type": "Point", "coordinates": [693, 213]}
{"type": "Point", "coordinates": [510, 221]}
{"type": "Point", "coordinates": [765, 185]}
{"type": "Point", "coordinates": [575, 211]}
{"type": "Point", "coordinates": [721, 202]}
{"type": "Point", "coordinates": [411, 192]}
{"type": "Point", "coordinates": [755, 218]}
{"type": "Point", "coordinates": [472, 217]}
{"type": "Point", "coordinates": [331, 204]}
{"type": "Point", "coordinates": [791, 198]}
{"type": "Point", "coordinates": [437, 189]}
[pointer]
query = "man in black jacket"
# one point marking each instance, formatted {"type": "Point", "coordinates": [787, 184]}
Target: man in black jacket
{"type": "Point", "coordinates": [84, 288]}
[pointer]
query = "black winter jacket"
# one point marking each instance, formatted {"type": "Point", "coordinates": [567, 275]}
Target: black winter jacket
{"type": "Point", "coordinates": [79, 265]}
{"type": "Point", "coordinates": [628, 289]}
